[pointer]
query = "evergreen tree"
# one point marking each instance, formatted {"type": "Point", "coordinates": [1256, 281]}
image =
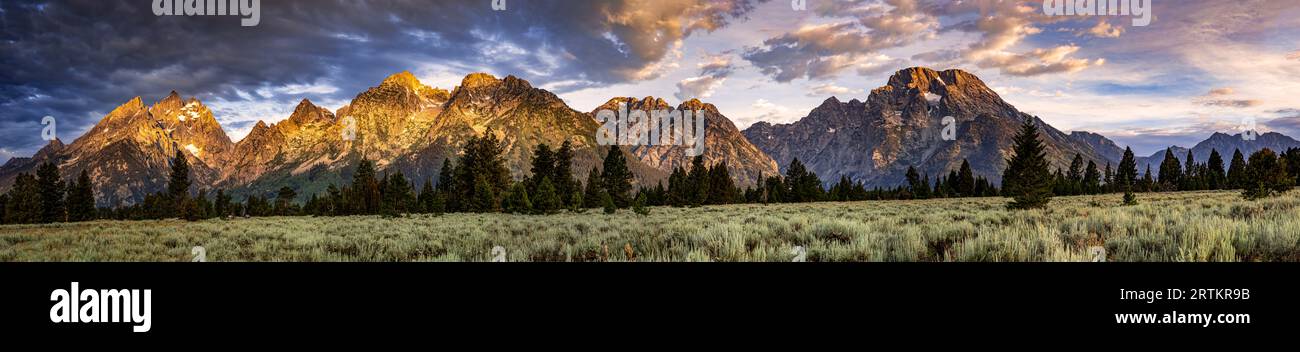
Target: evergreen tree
{"type": "Point", "coordinates": [547, 200]}
{"type": "Point", "coordinates": [1127, 175]}
{"type": "Point", "coordinates": [616, 177]}
{"type": "Point", "coordinates": [965, 180]}
{"type": "Point", "coordinates": [639, 205]}
{"type": "Point", "coordinates": [24, 204]}
{"type": "Point", "coordinates": [81, 199]}
{"type": "Point", "coordinates": [1109, 179]}
{"type": "Point", "coordinates": [543, 166]}
{"type": "Point", "coordinates": [397, 196]}
{"type": "Point", "coordinates": [4, 203]}
{"type": "Point", "coordinates": [366, 198]}
{"type": "Point", "coordinates": [179, 185]}
{"type": "Point", "coordinates": [52, 190]}
{"type": "Point", "coordinates": [562, 175]}
{"type": "Point", "coordinates": [1237, 170]}
{"type": "Point", "coordinates": [913, 181]}
{"type": "Point", "coordinates": [425, 198]}
{"type": "Point", "coordinates": [1214, 171]}
{"type": "Point", "coordinates": [1075, 176]}
{"type": "Point", "coordinates": [1191, 175]}
{"type": "Point", "coordinates": [1148, 181]}
{"type": "Point", "coordinates": [677, 194]}
{"type": "Point", "coordinates": [284, 201]}
{"type": "Point", "coordinates": [591, 195]}
{"type": "Point", "coordinates": [202, 206]}
{"type": "Point", "coordinates": [1091, 179]}
{"type": "Point", "coordinates": [221, 207]}
{"type": "Point", "coordinates": [802, 185]}
{"type": "Point", "coordinates": [481, 174]}
{"type": "Point", "coordinates": [697, 183]}
{"type": "Point", "coordinates": [517, 202]}
{"type": "Point", "coordinates": [576, 203]}
{"type": "Point", "coordinates": [1027, 179]}
{"type": "Point", "coordinates": [1292, 157]}
{"type": "Point", "coordinates": [1266, 175]}
{"type": "Point", "coordinates": [484, 198]}
{"type": "Point", "coordinates": [1171, 171]}
{"type": "Point", "coordinates": [775, 191]}
{"type": "Point", "coordinates": [607, 202]}
{"type": "Point", "coordinates": [722, 190]}
{"type": "Point", "coordinates": [445, 181]}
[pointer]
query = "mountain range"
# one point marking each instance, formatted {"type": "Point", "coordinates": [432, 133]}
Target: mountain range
{"type": "Point", "coordinates": [405, 126]}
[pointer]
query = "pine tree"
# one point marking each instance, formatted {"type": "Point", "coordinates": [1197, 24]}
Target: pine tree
{"type": "Point", "coordinates": [1027, 179]}
{"type": "Point", "coordinates": [1171, 171]}
{"type": "Point", "coordinates": [426, 198]}
{"type": "Point", "coordinates": [366, 198]}
{"type": "Point", "coordinates": [52, 190]}
{"type": "Point", "coordinates": [722, 190]}
{"type": "Point", "coordinates": [965, 180]}
{"type": "Point", "coordinates": [547, 201]}
{"type": "Point", "coordinates": [178, 187]}
{"type": "Point", "coordinates": [1237, 171]}
{"type": "Point", "coordinates": [697, 183]}
{"type": "Point", "coordinates": [24, 205]}
{"type": "Point", "coordinates": [445, 181]}
{"type": "Point", "coordinates": [81, 199]}
{"type": "Point", "coordinates": [913, 181]}
{"type": "Point", "coordinates": [397, 195]}
{"type": "Point", "coordinates": [517, 202]}
{"type": "Point", "coordinates": [1191, 175]}
{"type": "Point", "coordinates": [576, 203]}
{"type": "Point", "coordinates": [202, 206]}
{"type": "Point", "coordinates": [1292, 157]}
{"type": "Point", "coordinates": [284, 201]}
{"type": "Point", "coordinates": [639, 205]}
{"type": "Point", "coordinates": [1266, 175]}
{"type": "Point", "coordinates": [4, 202]}
{"type": "Point", "coordinates": [1091, 179]}
{"type": "Point", "coordinates": [484, 199]}
{"type": "Point", "coordinates": [616, 178]}
{"type": "Point", "coordinates": [1148, 181]}
{"type": "Point", "coordinates": [607, 202]}
{"type": "Point", "coordinates": [562, 175]}
{"type": "Point", "coordinates": [677, 190]}
{"type": "Point", "coordinates": [543, 166]}
{"type": "Point", "coordinates": [1127, 175]}
{"type": "Point", "coordinates": [591, 194]}
{"type": "Point", "coordinates": [1109, 179]}
{"type": "Point", "coordinates": [221, 207]}
{"type": "Point", "coordinates": [1215, 178]}
{"type": "Point", "coordinates": [1075, 176]}
{"type": "Point", "coordinates": [802, 185]}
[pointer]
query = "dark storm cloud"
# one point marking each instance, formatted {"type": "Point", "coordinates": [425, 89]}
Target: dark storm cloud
{"type": "Point", "coordinates": [76, 60]}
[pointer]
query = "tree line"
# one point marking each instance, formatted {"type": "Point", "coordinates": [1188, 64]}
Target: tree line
{"type": "Point", "coordinates": [480, 182]}
{"type": "Point", "coordinates": [1028, 181]}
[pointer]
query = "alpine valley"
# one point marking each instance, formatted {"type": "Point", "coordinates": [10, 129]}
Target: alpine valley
{"type": "Point", "coordinates": [405, 126]}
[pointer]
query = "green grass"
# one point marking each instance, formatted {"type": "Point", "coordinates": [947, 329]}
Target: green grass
{"type": "Point", "coordinates": [1191, 227]}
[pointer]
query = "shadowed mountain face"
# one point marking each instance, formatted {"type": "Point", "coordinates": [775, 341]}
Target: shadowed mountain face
{"type": "Point", "coordinates": [723, 142]}
{"type": "Point", "coordinates": [1224, 143]}
{"type": "Point", "coordinates": [901, 125]}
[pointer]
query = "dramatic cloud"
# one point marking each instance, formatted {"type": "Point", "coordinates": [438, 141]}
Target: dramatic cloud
{"type": "Point", "coordinates": [82, 58]}
{"type": "Point", "coordinates": [713, 71]}
{"type": "Point", "coordinates": [821, 51]}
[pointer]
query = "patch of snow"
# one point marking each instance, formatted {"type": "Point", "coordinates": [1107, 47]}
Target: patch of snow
{"type": "Point", "coordinates": [193, 150]}
{"type": "Point", "coordinates": [940, 79]}
{"type": "Point", "coordinates": [830, 130]}
{"type": "Point", "coordinates": [932, 98]}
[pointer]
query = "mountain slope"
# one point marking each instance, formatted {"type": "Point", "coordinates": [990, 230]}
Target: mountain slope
{"type": "Point", "coordinates": [723, 142]}
{"type": "Point", "coordinates": [901, 124]}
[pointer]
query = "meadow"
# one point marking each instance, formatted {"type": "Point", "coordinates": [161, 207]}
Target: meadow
{"type": "Point", "coordinates": [1174, 227]}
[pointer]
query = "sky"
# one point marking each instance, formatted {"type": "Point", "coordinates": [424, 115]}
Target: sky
{"type": "Point", "coordinates": [1198, 67]}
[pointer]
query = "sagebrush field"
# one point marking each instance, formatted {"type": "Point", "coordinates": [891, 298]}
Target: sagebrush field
{"type": "Point", "coordinates": [1191, 226]}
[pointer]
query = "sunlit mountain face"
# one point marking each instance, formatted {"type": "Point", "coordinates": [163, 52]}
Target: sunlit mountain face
{"type": "Point", "coordinates": [272, 97]}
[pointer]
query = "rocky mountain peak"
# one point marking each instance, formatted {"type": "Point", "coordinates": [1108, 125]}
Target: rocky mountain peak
{"type": "Point", "coordinates": [306, 112]}
{"type": "Point", "coordinates": [479, 79]}
{"type": "Point", "coordinates": [403, 79]}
